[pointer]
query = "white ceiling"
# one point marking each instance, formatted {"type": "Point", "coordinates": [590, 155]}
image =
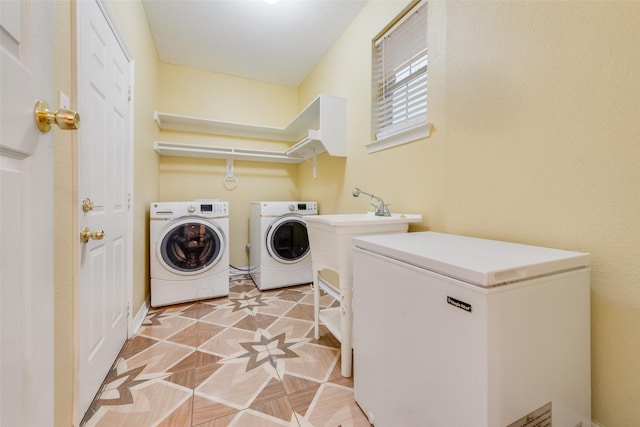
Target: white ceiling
{"type": "Point", "coordinates": [277, 43]}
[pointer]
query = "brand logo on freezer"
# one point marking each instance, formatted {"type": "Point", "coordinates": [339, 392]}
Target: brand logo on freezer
{"type": "Point", "coordinates": [459, 304]}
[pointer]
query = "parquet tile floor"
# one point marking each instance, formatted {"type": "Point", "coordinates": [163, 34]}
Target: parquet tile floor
{"type": "Point", "coordinates": [248, 359]}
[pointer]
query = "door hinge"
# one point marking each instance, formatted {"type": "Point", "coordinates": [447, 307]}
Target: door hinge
{"type": "Point", "coordinates": [129, 94]}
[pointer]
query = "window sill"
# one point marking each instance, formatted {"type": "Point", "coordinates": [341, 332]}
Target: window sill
{"type": "Point", "coordinates": [404, 137]}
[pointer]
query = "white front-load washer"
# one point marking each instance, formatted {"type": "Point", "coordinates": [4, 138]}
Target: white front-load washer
{"type": "Point", "coordinates": [279, 252]}
{"type": "Point", "coordinates": [188, 251]}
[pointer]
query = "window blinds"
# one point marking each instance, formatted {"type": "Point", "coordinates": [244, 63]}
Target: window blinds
{"type": "Point", "coordinates": [400, 75]}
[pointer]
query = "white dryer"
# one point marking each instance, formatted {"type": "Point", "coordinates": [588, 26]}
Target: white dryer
{"type": "Point", "coordinates": [188, 251]}
{"type": "Point", "coordinates": [279, 244]}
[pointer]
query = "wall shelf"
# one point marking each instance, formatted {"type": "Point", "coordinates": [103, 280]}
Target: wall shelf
{"type": "Point", "coordinates": [320, 127]}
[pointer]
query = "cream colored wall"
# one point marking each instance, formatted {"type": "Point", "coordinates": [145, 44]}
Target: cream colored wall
{"type": "Point", "coordinates": [535, 107]}
{"type": "Point", "coordinates": [543, 101]}
{"type": "Point", "coordinates": [64, 214]}
{"type": "Point", "coordinates": [216, 96]}
{"type": "Point", "coordinates": [346, 71]}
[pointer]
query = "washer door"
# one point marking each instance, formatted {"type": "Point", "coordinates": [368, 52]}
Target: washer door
{"type": "Point", "coordinates": [190, 246]}
{"type": "Point", "coordinates": [287, 239]}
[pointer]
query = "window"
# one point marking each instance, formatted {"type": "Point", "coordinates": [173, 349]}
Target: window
{"type": "Point", "coordinates": [399, 105]}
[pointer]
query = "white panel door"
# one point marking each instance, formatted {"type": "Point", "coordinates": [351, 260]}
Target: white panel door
{"type": "Point", "coordinates": [26, 212]}
{"type": "Point", "coordinates": [103, 167]}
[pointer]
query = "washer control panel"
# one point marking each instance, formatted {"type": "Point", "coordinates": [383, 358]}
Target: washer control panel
{"type": "Point", "coordinates": [200, 208]}
{"type": "Point", "coordinates": [304, 208]}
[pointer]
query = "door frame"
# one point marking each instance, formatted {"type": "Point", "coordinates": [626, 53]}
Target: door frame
{"type": "Point", "coordinates": [111, 22]}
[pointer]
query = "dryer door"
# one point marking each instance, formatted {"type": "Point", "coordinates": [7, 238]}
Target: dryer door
{"type": "Point", "coordinates": [190, 246]}
{"type": "Point", "coordinates": [287, 239]}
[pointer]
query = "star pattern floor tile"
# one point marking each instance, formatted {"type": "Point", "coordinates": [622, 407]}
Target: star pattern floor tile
{"type": "Point", "coordinates": [249, 359]}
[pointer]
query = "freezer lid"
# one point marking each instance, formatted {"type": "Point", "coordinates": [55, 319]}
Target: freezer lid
{"type": "Point", "coordinates": [477, 261]}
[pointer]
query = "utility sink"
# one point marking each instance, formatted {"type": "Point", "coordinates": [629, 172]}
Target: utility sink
{"type": "Point", "coordinates": [364, 219]}
{"type": "Point", "coordinates": [331, 243]}
{"type": "Point", "coordinates": [331, 236]}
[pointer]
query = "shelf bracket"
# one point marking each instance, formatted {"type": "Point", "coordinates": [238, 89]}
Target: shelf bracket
{"type": "Point", "coordinates": [230, 182]}
{"type": "Point", "coordinates": [314, 164]}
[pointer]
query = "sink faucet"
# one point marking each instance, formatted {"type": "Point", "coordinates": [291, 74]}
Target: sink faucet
{"type": "Point", "coordinates": [382, 208]}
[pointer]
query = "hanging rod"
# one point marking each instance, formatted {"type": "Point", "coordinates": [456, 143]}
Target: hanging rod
{"type": "Point", "coordinates": [301, 151]}
{"type": "Point", "coordinates": [203, 151]}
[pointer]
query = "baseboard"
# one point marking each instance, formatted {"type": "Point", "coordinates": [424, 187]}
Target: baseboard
{"type": "Point", "coordinates": [136, 323]}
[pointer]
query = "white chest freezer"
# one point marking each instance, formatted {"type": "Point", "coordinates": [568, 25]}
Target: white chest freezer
{"type": "Point", "coordinates": [454, 331]}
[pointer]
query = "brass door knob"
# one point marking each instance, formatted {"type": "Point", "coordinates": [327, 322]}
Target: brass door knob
{"type": "Point", "coordinates": [87, 234]}
{"type": "Point", "coordinates": [65, 119]}
{"type": "Point", "coordinates": [87, 204]}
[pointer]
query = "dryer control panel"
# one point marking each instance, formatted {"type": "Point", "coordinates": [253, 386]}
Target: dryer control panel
{"type": "Point", "coordinates": [278, 208]}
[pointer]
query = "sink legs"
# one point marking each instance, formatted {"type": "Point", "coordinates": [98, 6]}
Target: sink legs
{"type": "Point", "coordinates": [346, 322]}
{"type": "Point", "coordinates": [341, 325]}
{"type": "Point", "coordinates": [316, 304]}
